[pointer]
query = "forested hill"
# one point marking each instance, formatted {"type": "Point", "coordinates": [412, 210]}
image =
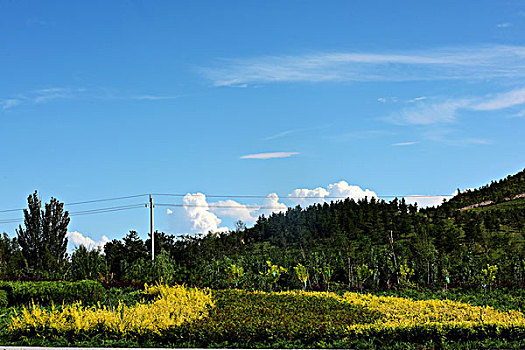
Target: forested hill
{"type": "Point", "coordinates": [497, 192]}
{"type": "Point", "coordinates": [368, 243]}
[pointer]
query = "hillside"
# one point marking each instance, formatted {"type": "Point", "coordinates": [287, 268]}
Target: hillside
{"type": "Point", "coordinates": [496, 192]}
{"type": "Point", "coordinates": [378, 244]}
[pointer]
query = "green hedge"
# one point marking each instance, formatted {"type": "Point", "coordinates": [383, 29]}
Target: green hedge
{"type": "Point", "coordinates": [3, 298]}
{"type": "Point", "coordinates": [49, 292]}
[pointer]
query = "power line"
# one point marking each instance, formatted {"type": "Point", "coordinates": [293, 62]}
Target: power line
{"type": "Point", "coordinates": [84, 202]}
{"type": "Point", "coordinates": [106, 199]}
{"type": "Point", "coordinates": [85, 212]}
{"type": "Point", "coordinates": [213, 206]}
{"type": "Point", "coordinates": [220, 196]}
{"type": "Point", "coordinates": [301, 197]}
{"type": "Point", "coordinates": [104, 210]}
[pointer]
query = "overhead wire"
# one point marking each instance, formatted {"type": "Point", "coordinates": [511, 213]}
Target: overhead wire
{"type": "Point", "coordinates": [299, 197]}
{"type": "Point", "coordinates": [213, 206]}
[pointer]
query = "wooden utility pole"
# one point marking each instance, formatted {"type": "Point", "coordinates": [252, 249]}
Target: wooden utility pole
{"type": "Point", "coordinates": [151, 206]}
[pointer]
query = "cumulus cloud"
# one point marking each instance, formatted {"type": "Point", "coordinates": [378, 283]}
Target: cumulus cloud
{"type": "Point", "coordinates": [271, 205]}
{"type": "Point", "coordinates": [77, 239]}
{"type": "Point", "coordinates": [337, 191]}
{"type": "Point", "coordinates": [235, 210]}
{"type": "Point", "coordinates": [269, 155]}
{"type": "Point", "coordinates": [197, 211]}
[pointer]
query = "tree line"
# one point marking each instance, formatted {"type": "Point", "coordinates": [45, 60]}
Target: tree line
{"type": "Point", "coordinates": [363, 244]}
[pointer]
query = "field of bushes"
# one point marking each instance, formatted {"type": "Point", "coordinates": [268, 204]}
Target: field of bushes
{"type": "Point", "coordinates": [86, 313]}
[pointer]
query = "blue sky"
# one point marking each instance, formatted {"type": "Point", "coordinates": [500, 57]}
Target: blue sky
{"type": "Point", "coordinates": [107, 99]}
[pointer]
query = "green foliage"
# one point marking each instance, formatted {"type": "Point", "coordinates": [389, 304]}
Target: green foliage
{"type": "Point", "coordinates": [87, 264]}
{"type": "Point", "coordinates": [235, 274]}
{"type": "Point", "coordinates": [55, 292]}
{"type": "Point", "coordinates": [488, 275]}
{"type": "Point", "coordinates": [266, 318]}
{"type": "Point", "coordinates": [272, 274]}
{"type": "Point", "coordinates": [43, 237]}
{"type": "Point", "coordinates": [405, 274]}
{"type": "Point", "coordinates": [302, 274]}
{"type": "Point", "coordinates": [12, 261]}
{"type": "Point", "coordinates": [363, 274]}
{"type": "Point", "coordinates": [3, 298]}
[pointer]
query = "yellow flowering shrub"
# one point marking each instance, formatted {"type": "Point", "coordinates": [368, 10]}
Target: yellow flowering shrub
{"type": "Point", "coordinates": [171, 307]}
{"type": "Point", "coordinates": [405, 313]}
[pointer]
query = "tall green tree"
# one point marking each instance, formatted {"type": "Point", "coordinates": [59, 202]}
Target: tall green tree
{"type": "Point", "coordinates": [43, 238]}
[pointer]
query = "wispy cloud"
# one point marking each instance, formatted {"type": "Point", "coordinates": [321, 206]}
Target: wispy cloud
{"type": "Point", "coordinates": [154, 97]}
{"type": "Point", "coordinates": [520, 114]}
{"type": "Point", "coordinates": [279, 135]}
{"type": "Point", "coordinates": [466, 63]}
{"type": "Point", "coordinates": [269, 155]}
{"type": "Point", "coordinates": [9, 103]}
{"type": "Point", "coordinates": [452, 137]}
{"type": "Point", "coordinates": [417, 99]}
{"type": "Point", "coordinates": [47, 95]}
{"type": "Point", "coordinates": [504, 25]}
{"type": "Point", "coordinates": [501, 101]}
{"type": "Point", "coordinates": [404, 143]}
{"type": "Point", "coordinates": [427, 112]}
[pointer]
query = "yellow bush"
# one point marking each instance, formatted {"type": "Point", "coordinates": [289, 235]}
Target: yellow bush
{"type": "Point", "coordinates": [172, 306]}
{"type": "Point", "coordinates": [407, 313]}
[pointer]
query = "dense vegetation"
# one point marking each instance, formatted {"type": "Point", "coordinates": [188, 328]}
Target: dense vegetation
{"type": "Point", "coordinates": [184, 317]}
{"type": "Point", "coordinates": [441, 256]}
{"type": "Point", "coordinates": [367, 244]}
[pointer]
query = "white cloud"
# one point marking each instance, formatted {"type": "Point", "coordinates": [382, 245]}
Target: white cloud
{"type": "Point", "coordinates": [429, 113]}
{"type": "Point", "coordinates": [333, 192]}
{"type": "Point", "coordinates": [197, 211]}
{"type": "Point", "coordinates": [426, 113]}
{"type": "Point", "coordinates": [9, 103]}
{"type": "Point", "coordinates": [501, 101]}
{"type": "Point", "coordinates": [235, 210]}
{"type": "Point", "coordinates": [520, 114]}
{"type": "Point", "coordinates": [504, 25]}
{"type": "Point", "coordinates": [269, 155]}
{"type": "Point", "coordinates": [279, 135]}
{"type": "Point", "coordinates": [424, 201]}
{"type": "Point", "coordinates": [271, 205]}
{"type": "Point", "coordinates": [421, 98]}
{"type": "Point", "coordinates": [464, 63]}
{"type": "Point", "coordinates": [77, 239]}
{"type": "Point", "coordinates": [381, 99]}
{"type": "Point", "coordinates": [154, 97]}
{"type": "Point", "coordinates": [45, 95]}
{"type": "Point", "coordinates": [404, 143]}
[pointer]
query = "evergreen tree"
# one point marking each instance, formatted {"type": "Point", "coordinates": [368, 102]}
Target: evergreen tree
{"type": "Point", "coordinates": [43, 239]}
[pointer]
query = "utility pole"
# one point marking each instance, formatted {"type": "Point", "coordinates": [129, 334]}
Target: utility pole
{"type": "Point", "coordinates": [151, 206]}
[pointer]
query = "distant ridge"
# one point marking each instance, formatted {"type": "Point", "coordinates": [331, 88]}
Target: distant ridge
{"type": "Point", "coordinates": [510, 188]}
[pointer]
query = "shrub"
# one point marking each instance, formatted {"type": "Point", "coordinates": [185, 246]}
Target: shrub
{"type": "Point", "coordinates": [171, 307]}
{"type": "Point", "coordinates": [3, 298]}
{"type": "Point", "coordinates": [47, 292]}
